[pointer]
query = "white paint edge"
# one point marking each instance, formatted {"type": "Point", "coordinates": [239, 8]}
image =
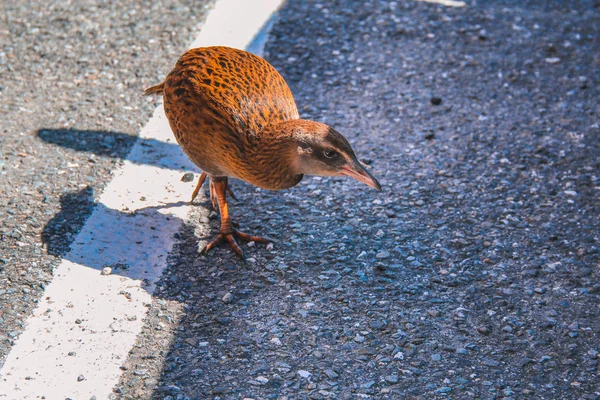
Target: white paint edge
{"type": "Point", "coordinates": [81, 331]}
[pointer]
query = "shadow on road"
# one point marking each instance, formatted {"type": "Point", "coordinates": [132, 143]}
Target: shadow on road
{"type": "Point", "coordinates": [130, 241]}
{"type": "Point", "coordinates": [75, 208]}
{"type": "Point", "coordinates": [103, 143]}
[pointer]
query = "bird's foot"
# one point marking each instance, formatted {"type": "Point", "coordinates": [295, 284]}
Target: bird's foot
{"type": "Point", "coordinates": [213, 193]}
{"type": "Point", "coordinates": [230, 238]}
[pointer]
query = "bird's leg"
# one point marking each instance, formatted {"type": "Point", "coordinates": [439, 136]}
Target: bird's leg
{"type": "Point", "coordinates": [228, 233]}
{"type": "Point", "coordinates": [200, 183]}
{"type": "Point", "coordinates": [212, 196]}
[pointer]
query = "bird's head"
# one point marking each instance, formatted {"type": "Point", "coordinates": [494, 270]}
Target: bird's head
{"type": "Point", "coordinates": [321, 150]}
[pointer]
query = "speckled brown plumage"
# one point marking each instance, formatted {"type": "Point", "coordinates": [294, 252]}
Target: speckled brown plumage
{"type": "Point", "coordinates": [234, 116]}
{"type": "Point", "coordinates": [240, 95]}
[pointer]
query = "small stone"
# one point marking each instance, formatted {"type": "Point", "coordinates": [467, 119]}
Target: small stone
{"type": "Point", "coordinates": [574, 326]}
{"type": "Point", "coordinates": [78, 321]}
{"type": "Point", "coordinates": [220, 389]}
{"type": "Point", "coordinates": [227, 298]}
{"type": "Point", "coordinates": [530, 273]}
{"type": "Point", "coordinates": [262, 380]}
{"type": "Point", "coordinates": [392, 379]}
{"type": "Point", "coordinates": [484, 330]}
{"type": "Point", "coordinates": [429, 136]}
{"type": "Point", "coordinates": [527, 361]}
{"type": "Point", "coordinates": [377, 324]}
{"type": "Point", "coordinates": [368, 385]}
{"type": "Point", "coordinates": [552, 60]}
{"type": "Point", "coordinates": [444, 389]}
{"type": "Point", "coordinates": [359, 338]}
{"type": "Point", "coordinates": [564, 303]}
{"type": "Point", "coordinates": [172, 389]}
{"type": "Point", "coordinates": [80, 378]}
{"type": "Point", "coordinates": [276, 341]}
{"type": "Point", "coordinates": [545, 359]}
{"type": "Point", "coordinates": [436, 357]}
{"type": "Point", "coordinates": [304, 374]}
{"type": "Point", "coordinates": [187, 177]}
{"type": "Point", "coordinates": [331, 374]}
{"type": "Point", "coordinates": [106, 271]}
{"type": "Point", "coordinates": [382, 254]}
{"type": "Point", "coordinates": [436, 101]}
{"type": "Point", "coordinates": [490, 363]}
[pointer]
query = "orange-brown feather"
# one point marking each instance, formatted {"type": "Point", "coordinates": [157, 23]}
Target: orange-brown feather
{"type": "Point", "coordinates": [223, 106]}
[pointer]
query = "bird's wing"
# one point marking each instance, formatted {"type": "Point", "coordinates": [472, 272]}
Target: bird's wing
{"type": "Point", "coordinates": [245, 89]}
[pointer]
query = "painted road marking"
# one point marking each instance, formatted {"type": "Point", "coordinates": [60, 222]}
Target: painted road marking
{"type": "Point", "coordinates": [85, 324]}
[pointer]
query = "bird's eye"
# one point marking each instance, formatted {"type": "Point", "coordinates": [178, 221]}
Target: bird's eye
{"type": "Point", "coordinates": [329, 153]}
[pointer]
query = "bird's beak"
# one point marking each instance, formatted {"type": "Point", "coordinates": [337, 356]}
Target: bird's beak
{"type": "Point", "coordinates": [357, 171]}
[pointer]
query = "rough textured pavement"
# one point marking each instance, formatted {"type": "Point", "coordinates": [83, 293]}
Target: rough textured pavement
{"type": "Point", "coordinates": [474, 274]}
{"type": "Point", "coordinates": [71, 78]}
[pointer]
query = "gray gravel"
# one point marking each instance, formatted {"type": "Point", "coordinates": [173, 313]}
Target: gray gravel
{"type": "Point", "coordinates": [71, 78]}
{"type": "Point", "coordinates": [473, 275]}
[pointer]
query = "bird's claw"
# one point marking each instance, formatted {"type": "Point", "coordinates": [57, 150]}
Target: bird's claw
{"type": "Point", "coordinates": [230, 238]}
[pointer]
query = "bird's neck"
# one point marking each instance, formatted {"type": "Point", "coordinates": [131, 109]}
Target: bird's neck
{"type": "Point", "coordinates": [270, 158]}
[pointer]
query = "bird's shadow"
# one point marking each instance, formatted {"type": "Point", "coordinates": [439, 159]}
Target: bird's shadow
{"type": "Point", "coordinates": [100, 143]}
{"type": "Point", "coordinates": [108, 144]}
{"type": "Point", "coordinates": [117, 241]}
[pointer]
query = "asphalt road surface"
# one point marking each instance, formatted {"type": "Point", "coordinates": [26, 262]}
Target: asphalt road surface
{"type": "Point", "coordinates": [71, 75]}
{"type": "Point", "coordinates": [473, 274]}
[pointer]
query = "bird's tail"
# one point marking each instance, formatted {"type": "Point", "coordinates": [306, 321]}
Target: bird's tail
{"type": "Point", "coordinates": [155, 89]}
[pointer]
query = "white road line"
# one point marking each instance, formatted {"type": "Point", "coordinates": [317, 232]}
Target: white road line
{"type": "Point", "coordinates": [85, 324]}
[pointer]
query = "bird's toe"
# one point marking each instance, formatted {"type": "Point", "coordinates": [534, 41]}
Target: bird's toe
{"type": "Point", "coordinates": [230, 237]}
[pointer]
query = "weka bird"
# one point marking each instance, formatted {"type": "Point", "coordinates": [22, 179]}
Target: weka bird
{"type": "Point", "coordinates": [234, 116]}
